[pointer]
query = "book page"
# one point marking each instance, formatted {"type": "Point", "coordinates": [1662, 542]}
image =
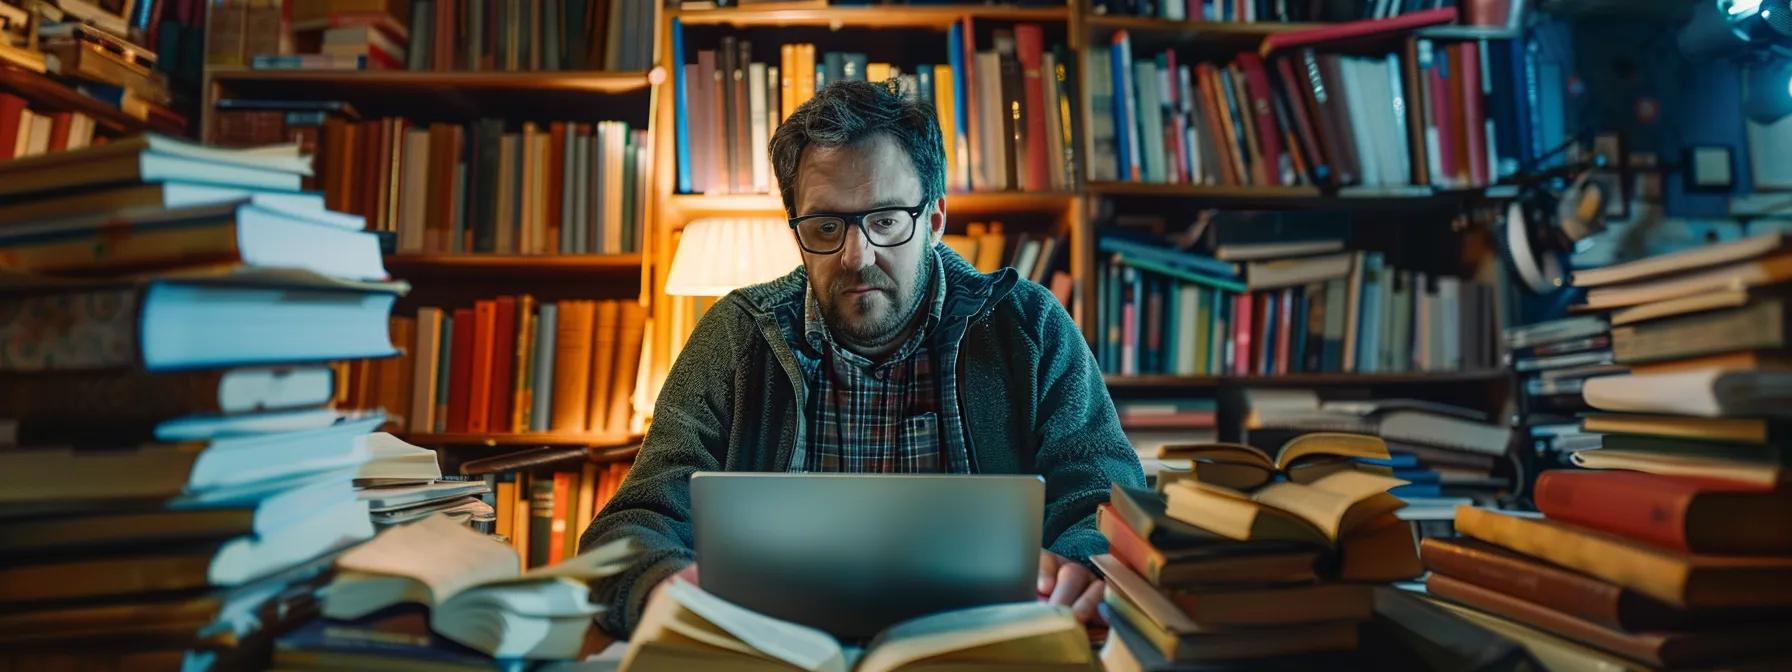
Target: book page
{"type": "Point", "coordinates": [1331, 502]}
{"type": "Point", "coordinates": [598, 563]}
{"type": "Point", "coordinates": [806, 648]}
{"type": "Point", "coordinates": [1331, 443]}
{"type": "Point", "coordinates": [977, 627]}
{"type": "Point", "coordinates": [441, 554]}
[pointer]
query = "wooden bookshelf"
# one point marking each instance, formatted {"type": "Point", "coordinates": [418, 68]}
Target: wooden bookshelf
{"type": "Point", "coordinates": [910, 16]}
{"type": "Point", "coordinates": [427, 265]}
{"type": "Point", "coordinates": [44, 90]}
{"type": "Point", "coordinates": [1306, 380]}
{"type": "Point", "coordinates": [349, 83]}
{"type": "Point", "coordinates": [961, 203]}
{"type": "Point", "coordinates": [536, 439]}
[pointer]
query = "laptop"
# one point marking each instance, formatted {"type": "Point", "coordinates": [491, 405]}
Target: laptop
{"type": "Point", "coordinates": [853, 554]}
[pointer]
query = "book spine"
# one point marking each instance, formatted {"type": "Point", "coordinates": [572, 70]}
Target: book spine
{"type": "Point", "coordinates": [681, 106]}
{"type": "Point", "coordinates": [1531, 581]}
{"type": "Point", "coordinates": [1654, 515]}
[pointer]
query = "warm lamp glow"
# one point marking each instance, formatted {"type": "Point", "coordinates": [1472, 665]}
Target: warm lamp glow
{"type": "Point", "coordinates": [717, 256]}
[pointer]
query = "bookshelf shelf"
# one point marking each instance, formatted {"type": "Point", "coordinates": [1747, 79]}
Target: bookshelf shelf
{"type": "Point", "coordinates": [964, 203]}
{"type": "Point", "coordinates": [1237, 29]}
{"type": "Point", "coordinates": [344, 82]}
{"type": "Point", "coordinates": [42, 90]}
{"type": "Point", "coordinates": [414, 265]}
{"type": "Point", "coordinates": [1300, 194]}
{"type": "Point", "coordinates": [865, 17]}
{"type": "Point", "coordinates": [536, 439]}
{"type": "Point", "coordinates": [1305, 380]}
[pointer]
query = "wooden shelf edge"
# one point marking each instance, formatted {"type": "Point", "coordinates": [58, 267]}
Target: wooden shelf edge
{"type": "Point", "coordinates": [44, 90]}
{"type": "Point", "coordinates": [911, 16]}
{"type": "Point", "coordinates": [1240, 29]}
{"type": "Point", "coordinates": [523, 440]}
{"type": "Point", "coordinates": [1299, 193]}
{"type": "Point", "coordinates": [1300, 379]}
{"type": "Point", "coordinates": [588, 80]}
{"type": "Point", "coordinates": [529, 262]}
{"type": "Point", "coordinates": [971, 202]}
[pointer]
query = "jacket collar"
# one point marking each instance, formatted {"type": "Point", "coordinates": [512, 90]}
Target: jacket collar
{"type": "Point", "coordinates": [970, 295]}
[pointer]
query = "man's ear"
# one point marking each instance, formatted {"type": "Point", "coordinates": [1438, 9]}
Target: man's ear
{"type": "Point", "coordinates": [936, 220]}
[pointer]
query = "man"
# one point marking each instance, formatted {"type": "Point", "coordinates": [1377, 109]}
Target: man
{"type": "Point", "coordinates": [885, 352]}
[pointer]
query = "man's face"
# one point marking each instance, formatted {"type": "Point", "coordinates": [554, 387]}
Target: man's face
{"type": "Point", "coordinates": [867, 293]}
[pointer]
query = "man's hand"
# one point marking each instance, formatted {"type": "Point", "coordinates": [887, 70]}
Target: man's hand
{"type": "Point", "coordinates": [689, 574]}
{"type": "Point", "coordinates": [1070, 584]}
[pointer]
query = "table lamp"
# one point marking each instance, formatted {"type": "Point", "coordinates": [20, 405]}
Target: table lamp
{"type": "Point", "coordinates": [716, 256]}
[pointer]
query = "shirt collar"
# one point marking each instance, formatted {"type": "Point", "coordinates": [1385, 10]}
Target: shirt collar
{"type": "Point", "coordinates": [815, 328]}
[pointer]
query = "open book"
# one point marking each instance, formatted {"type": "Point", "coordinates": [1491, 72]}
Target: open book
{"type": "Point", "coordinates": [473, 588]}
{"type": "Point", "coordinates": [687, 628]}
{"type": "Point", "coordinates": [1315, 490]}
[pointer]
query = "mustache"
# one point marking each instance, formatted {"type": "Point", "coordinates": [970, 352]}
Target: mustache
{"type": "Point", "coordinates": [870, 276]}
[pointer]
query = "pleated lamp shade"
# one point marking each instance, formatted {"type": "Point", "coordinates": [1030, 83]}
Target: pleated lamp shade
{"type": "Point", "coordinates": [717, 256]}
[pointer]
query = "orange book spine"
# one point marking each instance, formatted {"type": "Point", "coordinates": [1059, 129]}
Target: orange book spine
{"type": "Point", "coordinates": [479, 383]}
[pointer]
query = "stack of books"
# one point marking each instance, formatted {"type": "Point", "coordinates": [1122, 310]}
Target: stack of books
{"type": "Point", "coordinates": [402, 483]}
{"type": "Point", "coordinates": [1701, 341]}
{"type": "Point", "coordinates": [393, 603]}
{"type": "Point", "coordinates": [1003, 111]}
{"type": "Point", "coordinates": [1669, 549]}
{"type": "Point", "coordinates": [1283, 307]}
{"type": "Point", "coordinates": [1251, 560]}
{"type": "Point", "coordinates": [1554, 360]}
{"type": "Point", "coordinates": [1448, 455]}
{"type": "Point", "coordinates": [376, 39]}
{"type": "Point", "coordinates": [174, 478]}
{"type": "Point", "coordinates": [1425, 114]}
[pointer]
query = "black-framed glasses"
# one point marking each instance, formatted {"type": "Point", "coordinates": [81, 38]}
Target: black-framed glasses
{"type": "Point", "coordinates": [825, 233]}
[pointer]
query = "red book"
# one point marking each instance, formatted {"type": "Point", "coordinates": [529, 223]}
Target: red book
{"type": "Point", "coordinates": [556, 177]}
{"type": "Point", "coordinates": [59, 127]}
{"type": "Point", "coordinates": [1658, 649]}
{"type": "Point", "coordinates": [1241, 334]}
{"type": "Point", "coordinates": [1029, 46]}
{"type": "Point", "coordinates": [12, 108]}
{"type": "Point", "coordinates": [1691, 515]}
{"type": "Point", "coordinates": [1473, 113]}
{"type": "Point", "coordinates": [1175, 131]}
{"type": "Point", "coordinates": [479, 382]}
{"type": "Point", "coordinates": [1567, 591]}
{"type": "Point", "coordinates": [1495, 13]}
{"type": "Point", "coordinates": [460, 370]}
{"type": "Point", "coordinates": [1269, 142]}
{"type": "Point", "coordinates": [1284, 329]}
{"type": "Point", "coordinates": [1305, 131]}
{"type": "Point", "coordinates": [563, 494]}
{"type": "Point", "coordinates": [503, 362]}
{"type": "Point", "coordinates": [1355, 30]}
{"type": "Point", "coordinates": [1438, 85]}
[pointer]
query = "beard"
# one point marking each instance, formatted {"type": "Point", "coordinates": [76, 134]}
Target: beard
{"type": "Point", "coordinates": [874, 318]}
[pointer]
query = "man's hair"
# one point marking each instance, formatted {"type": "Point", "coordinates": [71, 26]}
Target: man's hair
{"type": "Point", "coordinates": [846, 113]}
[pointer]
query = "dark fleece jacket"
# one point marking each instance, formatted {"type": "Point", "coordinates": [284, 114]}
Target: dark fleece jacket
{"type": "Point", "coordinates": [1032, 398]}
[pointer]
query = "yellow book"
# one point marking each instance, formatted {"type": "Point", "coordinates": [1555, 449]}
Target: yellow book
{"type": "Point", "coordinates": [877, 72]}
{"type": "Point", "coordinates": [945, 103]}
{"type": "Point", "coordinates": [787, 64]}
{"type": "Point", "coordinates": [521, 392]}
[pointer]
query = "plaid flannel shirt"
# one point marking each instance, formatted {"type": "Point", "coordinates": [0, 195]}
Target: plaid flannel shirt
{"type": "Point", "coordinates": [867, 417]}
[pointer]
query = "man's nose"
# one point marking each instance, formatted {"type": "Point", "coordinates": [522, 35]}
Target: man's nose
{"type": "Point", "coordinates": [858, 251]}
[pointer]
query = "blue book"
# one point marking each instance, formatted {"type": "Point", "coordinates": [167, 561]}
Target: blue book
{"type": "Point", "coordinates": [546, 326]}
{"type": "Point", "coordinates": [1297, 331]}
{"type": "Point", "coordinates": [681, 108]}
{"type": "Point", "coordinates": [1397, 460]}
{"type": "Point", "coordinates": [960, 109]}
{"type": "Point", "coordinates": [1174, 339]}
{"type": "Point", "coordinates": [1188, 261]}
{"type": "Point", "coordinates": [1137, 342]}
{"type": "Point", "coordinates": [1126, 143]}
{"type": "Point", "coordinates": [1368, 342]}
{"type": "Point", "coordinates": [443, 364]}
{"type": "Point", "coordinates": [1419, 476]}
{"type": "Point", "coordinates": [924, 82]}
{"type": "Point", "coordinates": [1266, 339]}
{"type": "Point", "coordinates": [1425, 490]}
